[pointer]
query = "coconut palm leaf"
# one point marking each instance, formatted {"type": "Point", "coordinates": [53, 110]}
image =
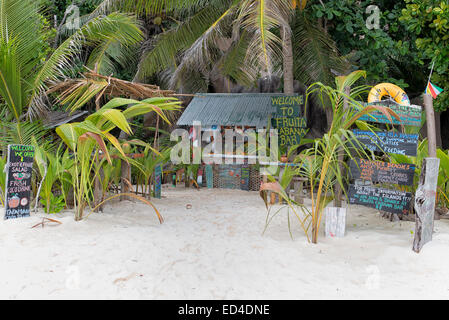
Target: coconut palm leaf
{"type": "Point", "coordinates": [315, 53]}
{"type": "Point", "coordinates": [113, 29]}
{"type": "Point", "coordinates": [196, 34]}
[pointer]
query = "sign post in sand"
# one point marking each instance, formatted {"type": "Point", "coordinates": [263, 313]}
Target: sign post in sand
{"type": "Point", "coordinates": [425, 197]}
{"type": "Point", "coordinates": [19, 169]}
{"type": "Point", "coordinates": [425, 202]}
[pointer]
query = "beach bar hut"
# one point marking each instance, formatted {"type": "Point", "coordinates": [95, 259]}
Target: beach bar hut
{"type": "Point", "coordinates": [217, 112]}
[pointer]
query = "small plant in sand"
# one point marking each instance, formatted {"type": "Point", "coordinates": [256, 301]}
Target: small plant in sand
{"type": "Point", "coordinates": [86, 141]}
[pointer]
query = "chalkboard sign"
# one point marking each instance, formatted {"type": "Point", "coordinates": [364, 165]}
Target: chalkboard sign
{"type": "Point", "coordinates": [244, 183]}
{"type": "Point", "coordinates": [209, 176]}
{"type": "Point", "coordinates": [158, 182]}
{"type": "Point", "coordinates": [289, 136]}
{"type": "Point", "coordinates": [409, 115]}
{"type": "Point", "coordinates": [392, 201]}
{"type": "Point", "coordinates": [389, 142]}
{"type": "Point", "coordinates": [288, 106]}
{"type": "Point", "coordinates": [18, 181]}
{"type": "Point", "coordinates": [229, 175]}
{"type": "Point", "coordinates": [288, 119]}
{"type": "Point", "coordinates": [383, 172]}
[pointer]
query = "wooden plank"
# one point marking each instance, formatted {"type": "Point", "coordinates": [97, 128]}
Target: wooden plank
{"type": "Point", "coordinates": [158, 182]}
{"type": "Point", "coordinates": [18, 181]}
{"type": "Point", "coordinates": [383, 172]}
{"type": "Point", "coordinates": [392, 201]}
{"type": "Point", "coordinates": [389, 142]}
{"type": "Point", "coordinates": [209, 176]}
{"type": "Point", "coordinates": [425, 202]}
{"type": "Point", "coordinates": [335, 223]}
{"type": "Point", "coordinates": [244, 183]}
{"type": "Point", "coordinates": [409, 115]}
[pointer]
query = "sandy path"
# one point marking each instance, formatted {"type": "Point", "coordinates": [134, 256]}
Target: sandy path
{"type": "Point", "coordinates": [216, 251]}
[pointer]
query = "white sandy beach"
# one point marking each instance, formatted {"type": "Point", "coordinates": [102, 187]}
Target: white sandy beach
{"type": "Point", "coordinates": [216, 251]}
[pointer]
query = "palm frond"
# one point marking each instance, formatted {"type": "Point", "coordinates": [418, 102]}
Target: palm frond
{"type": "Point", "coordinates": [117, 28]}
{"type": "Point", "coordinates": [316, 54]}
{"type": "Point", "coordinates": [194, 35]}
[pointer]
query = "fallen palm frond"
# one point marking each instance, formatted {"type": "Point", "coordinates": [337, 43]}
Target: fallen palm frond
{"type": "Point", "coordinates": [132, 195]}
{"type": "Point", "coordinates": [46, 221]}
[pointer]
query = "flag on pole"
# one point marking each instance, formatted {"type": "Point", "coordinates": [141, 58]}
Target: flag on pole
{"type": "Point", "coordinates": [433, 90]}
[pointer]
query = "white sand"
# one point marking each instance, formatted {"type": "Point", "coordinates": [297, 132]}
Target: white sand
{"type": "Point", "coordinates": [216, 251]}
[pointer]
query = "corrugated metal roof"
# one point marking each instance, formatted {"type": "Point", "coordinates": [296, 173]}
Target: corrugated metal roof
{"type": "Point", "coordinates": [234, 109]}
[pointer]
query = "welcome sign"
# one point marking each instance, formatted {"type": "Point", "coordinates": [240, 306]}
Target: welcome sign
{"type": "Point", "coordinates": [18, 181]}
{"type": "Point", "coordinates": [288, 119]}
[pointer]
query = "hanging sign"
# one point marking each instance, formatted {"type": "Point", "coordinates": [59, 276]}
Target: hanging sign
{"type": "Point", "coordinates": [383, 172]}
{"type": "Point", "coordinates": [392, 201]}
{"type": "Point", "coordinates": [18, 181]}
{"type": "Point", "coordinates": [409, 115]}
{"type": "Point", "coordinates": [389, 142]}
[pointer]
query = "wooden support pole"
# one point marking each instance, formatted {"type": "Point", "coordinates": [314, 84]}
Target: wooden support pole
{"type": "Point", "coordinates": [425, 202]}
{"type": "Point", "coordinates": [335, 223]}
{"type": "Point", "coordinates": [341, 156]}
{"type": "Point", "coordinates": [431, 129]}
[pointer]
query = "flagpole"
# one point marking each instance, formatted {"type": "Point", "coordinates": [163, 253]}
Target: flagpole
{"type": "Point", "coordinates": [431, 72]}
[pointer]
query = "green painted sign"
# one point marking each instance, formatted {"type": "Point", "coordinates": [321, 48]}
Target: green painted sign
{"type": "Point", "coordinates": [288, 119]}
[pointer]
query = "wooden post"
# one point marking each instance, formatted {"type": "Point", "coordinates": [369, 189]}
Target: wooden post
{"type": "Point", "coordinates": [125, 173]}
{"type": "Point", "coordinates": [341, 156]}
{"type": "Point", "coordinates": [335, 223]}
{"type": "Point", "coordinates": [431, 131]}
{"type": "Point", "coordinates": [425, 202]}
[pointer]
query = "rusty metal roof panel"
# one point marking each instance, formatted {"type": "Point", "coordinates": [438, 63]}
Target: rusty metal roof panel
{"type": "Point", "coordinates": [242, 109]}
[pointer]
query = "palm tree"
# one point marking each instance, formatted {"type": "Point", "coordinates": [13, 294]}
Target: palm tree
{"type": "Point", "coordinates": [26, 69]}
{"type": "Point", "coordinates": [241, 41]}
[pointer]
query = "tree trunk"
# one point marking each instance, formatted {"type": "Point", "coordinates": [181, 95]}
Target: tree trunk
{"type": "Point", "coordinates": [288, 61]}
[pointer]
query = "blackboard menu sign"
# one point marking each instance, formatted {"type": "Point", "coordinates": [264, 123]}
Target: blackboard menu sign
{"type": "Point", "coordinates": [288, 119]}
{"type": "Point", "coordinates": [18, 181]}
{"type": "Point", "coordinates": [383, 172]}
{"type": "Point", "coordinates": [409, 115]}
{"type": "Point", "coordinates": [158, 182]}
{"type": "Point", "coordinates": [244, 179]}
{"type": "Point", "coordinates": [392, 201]}
{"type": "Point", "coordinates": [389, 142]}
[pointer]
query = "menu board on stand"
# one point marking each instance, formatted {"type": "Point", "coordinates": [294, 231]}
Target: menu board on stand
{"type": "Point", "coordinates": [18, 181]}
